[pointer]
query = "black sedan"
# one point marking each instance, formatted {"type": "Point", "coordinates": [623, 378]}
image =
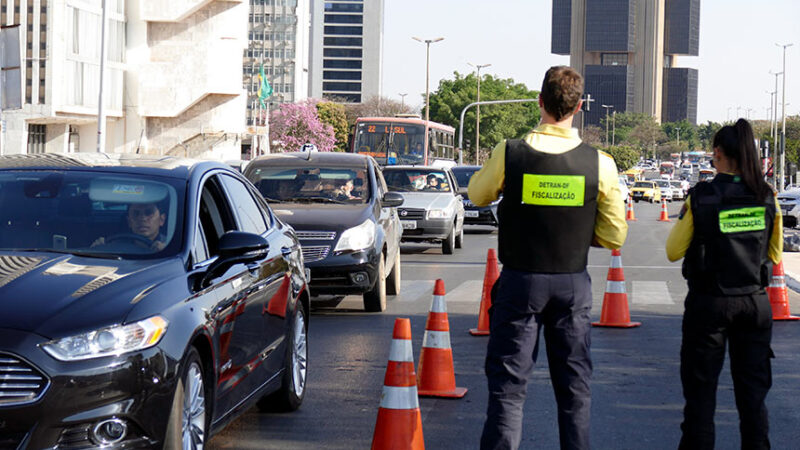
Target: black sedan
{"type": "Point", "coordinates": [474, 215]}
{"type": "Point", "coordinates": [345, 218]}
{"type": "Point", "coordinates": [144, 302]}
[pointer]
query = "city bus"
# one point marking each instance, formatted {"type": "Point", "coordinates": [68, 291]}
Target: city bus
{"type": "Point", "coordinates": [401, 140]}
{"type": "Point", "coordinates": [667, 170]}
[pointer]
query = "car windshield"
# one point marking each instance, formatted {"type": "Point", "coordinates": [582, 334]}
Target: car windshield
{"type": "Point", "coordinates": [643, 184]}
{"type": "Point", "coordinates": [416, 180]}
{"type": "Point", "coordinates": [96, 214]}
{"type": "Point", "coordinates": [337, 185]}
{"type": "Point", "coordinates": [463, 175]}
{"type": "Point", "coordinates": [663, 184]}
{"type": "Point", "coordinates": [676, 184]}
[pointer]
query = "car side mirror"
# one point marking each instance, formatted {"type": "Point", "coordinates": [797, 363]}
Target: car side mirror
{"type": "Point", "coordinates": [236, 247]}
{"type": "Point", "coordinates": [392, 199]}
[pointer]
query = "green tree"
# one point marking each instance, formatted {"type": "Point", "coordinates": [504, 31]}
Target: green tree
{"type": "Point", "coordinates": [624, 156]}
{"type": "Point", "coordinates": [682, 132]}
{"type": "Point", "coordinates": [623, 124]}
{"type": "Point", "coordinates": [593, 136]}
{"type": "Point", "coordinates": [333, 114]}
{"type": "Point", "coordinates": [498, 122]}
{"type": "Point", "coordinates": [705, 134]}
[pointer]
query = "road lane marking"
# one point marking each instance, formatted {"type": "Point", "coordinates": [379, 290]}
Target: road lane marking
{"type": "Point", "coordinates": [651, 293]}
{"type": "Point", "coordinates": [413, 290]}
{"type": "Point", "coordinates": [469, 291]}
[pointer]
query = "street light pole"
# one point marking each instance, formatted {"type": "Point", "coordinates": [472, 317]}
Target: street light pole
{"type": "Point", "coordinates": [607, 107]}
{"type": "Point", "coordinates": [613, 128]}
{"type": "Point", "coordinates": [783, 115]}
{"type": "Point", "coordinates": [101, 116]}
{"type": "Point", "coordinates": [402, 100]}
{"type": "Point", "coordinates": [427, 43]}
{"type": "Point", "coordinates": [478, 68]}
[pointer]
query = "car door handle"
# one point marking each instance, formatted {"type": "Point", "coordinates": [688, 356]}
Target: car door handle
{"type": "Point", "coordinates": [286, 251]}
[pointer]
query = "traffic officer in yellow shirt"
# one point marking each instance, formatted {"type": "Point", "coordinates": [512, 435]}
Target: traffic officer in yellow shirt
{"type": "Point", "coordinates": [728, 232]}
{"type": "Point", "coordinates": [560, 196]}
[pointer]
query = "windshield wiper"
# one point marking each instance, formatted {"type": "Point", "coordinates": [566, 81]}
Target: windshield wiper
{"type": "Point", "coordinates": [316, 198]}
{"type": "Point", "coordinates": [273, 200]}
{"type": "Point", "coordinates": [68, 252]}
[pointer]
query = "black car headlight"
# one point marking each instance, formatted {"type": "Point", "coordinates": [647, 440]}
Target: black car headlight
{"type": "Point", "coordinates": [357, 238]}
{"type": "Point", "coordinates": [110, 341]}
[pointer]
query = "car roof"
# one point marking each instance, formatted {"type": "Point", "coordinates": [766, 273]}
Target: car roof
{"type": "Point", "coordinates": [170, 166]}
{"type": "Point", "coordinates": [313, 159]}
{"type": "Point", "coordinates": [410, 167]}
{"type": "Point", "coordinates": [465, 167]}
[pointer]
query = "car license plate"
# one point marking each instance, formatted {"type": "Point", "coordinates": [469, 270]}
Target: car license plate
{"type": "Point", "coordinates": [409, 224]}
{"type": "Point", "coordinates": [471, 214]}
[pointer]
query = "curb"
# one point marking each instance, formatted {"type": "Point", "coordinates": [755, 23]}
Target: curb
{"type": "Point", "coordinates": [792, 281]}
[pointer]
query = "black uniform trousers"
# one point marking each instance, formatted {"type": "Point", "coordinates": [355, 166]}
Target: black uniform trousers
{"type": "Point", "coordinates": [524, 303]}
{"type": "Point", "coordinates": [745, 323]}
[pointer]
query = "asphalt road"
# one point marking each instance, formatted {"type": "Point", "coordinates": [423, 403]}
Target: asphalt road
{"type": "Point", "coordinates": [637, 400]}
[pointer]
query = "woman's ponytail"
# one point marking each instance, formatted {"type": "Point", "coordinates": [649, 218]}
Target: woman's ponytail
{"type": "Point", "coordinates": [737, 142]}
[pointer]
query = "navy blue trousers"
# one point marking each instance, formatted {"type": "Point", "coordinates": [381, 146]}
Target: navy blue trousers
{"type": "Point", "coordinates": [745, 324]}
{"type": "Point", "coordinates": [525, 303]}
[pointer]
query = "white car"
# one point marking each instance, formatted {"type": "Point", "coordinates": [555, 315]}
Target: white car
{"type": "Point", "coordinates": [789, 202]}
{"type": "Point", "coordinates": [623, 188]}
{"type": "Point", "coordinates": [432, 211]}
{"type": "Point", "coordinates": [678, 193]}
{"type": "Point", "coordinates": [666, 189]}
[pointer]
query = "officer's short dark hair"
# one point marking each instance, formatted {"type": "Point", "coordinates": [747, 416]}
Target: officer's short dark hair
{"type": "Point", "coordinates": [562, 90]}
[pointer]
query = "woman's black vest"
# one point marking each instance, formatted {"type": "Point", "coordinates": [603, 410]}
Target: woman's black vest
{"type": "Point", "coordinates": [548, 209]}
{"type": "Point", "coordinates": [732, 229]}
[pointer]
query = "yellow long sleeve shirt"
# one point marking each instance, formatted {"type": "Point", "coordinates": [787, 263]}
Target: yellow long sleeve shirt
{"type": "Point", "coordinates": [680, 237]}
{"type": "Point", "coordinates": [610, 228]}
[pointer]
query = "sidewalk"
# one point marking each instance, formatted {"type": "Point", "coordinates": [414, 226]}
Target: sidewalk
{"type": "Point", "coordinates": [791, 267]}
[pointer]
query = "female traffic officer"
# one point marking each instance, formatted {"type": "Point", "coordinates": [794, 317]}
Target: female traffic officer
{"type": "Point", "coordinates": [729, 231]}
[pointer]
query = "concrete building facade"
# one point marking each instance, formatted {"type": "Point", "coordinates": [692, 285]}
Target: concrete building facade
{"type": "Point", "coordinates": [173, 76]}
{"type": "Point", "coordinates": [346, 49]}
{"type": "Point", "coordinates": [627, 51]}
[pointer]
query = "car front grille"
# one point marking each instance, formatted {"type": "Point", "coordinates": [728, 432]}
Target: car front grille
{"type": "Point", "coordinates": [19, 381]}
{"type": "Point", "coordinates": [411, 213]}
{"type": "Point", "coordinates": [315, 253]}
{"type": "Point", "coordinates": [76, 436]}
{"type": "Point", "coordinates": [316, 235]}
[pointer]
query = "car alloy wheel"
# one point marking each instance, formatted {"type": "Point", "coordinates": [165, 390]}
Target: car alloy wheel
{"type": "Point", "coordinates": [299, 355]}
{"type": "Point", "coordinates": [193, 421]}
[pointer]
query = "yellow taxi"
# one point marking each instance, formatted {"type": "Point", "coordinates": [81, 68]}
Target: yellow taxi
{"type": "Point", "coordinates": [646, 190]}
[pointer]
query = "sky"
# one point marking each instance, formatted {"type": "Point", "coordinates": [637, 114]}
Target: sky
{"type": "Point", "coordinates": [737, 49]}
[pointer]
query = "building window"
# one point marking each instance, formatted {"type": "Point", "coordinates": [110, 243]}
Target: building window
{"type": "Point", "coordinates": [346, 87]}
{"type": "Point", "coordinates": [342, 52]}
{"type": "Point", "coordinates": [341, 75]}
{"type": "Point", "coordinates": [349, 98]}
{"type": "Point", "coordinates": [343, 18]}
{"type": "Point", "coordinates": [36, 138]}
{"type": "Point", "coordinates": [615, 59]}
{"type": "Point", "coordinates": [353, 31]}
{"type": "Point", "coordinates": [344, 41]}
{"type": "Point", "coordinates": [341, 64]}
{"type": "Point", "coordinates": [343, 7]}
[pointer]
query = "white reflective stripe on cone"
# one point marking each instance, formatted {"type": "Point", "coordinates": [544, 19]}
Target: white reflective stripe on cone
{"type": "Point", "coordinates": [615, 287]}
{"type": "Point", "coordinates": [401, 351]}
{"type": "Point", "coordinates": [616, 262]}
{"type": "Point", "coordinates": [436, 339]}
{"type": "Point", "coordinates": [438, 305]}
{"type": "Point", "coordinates": [394, 397]}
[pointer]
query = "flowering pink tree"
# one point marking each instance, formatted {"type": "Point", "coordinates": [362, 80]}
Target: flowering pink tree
{"type": "Point", "coordinates": [294, 124]}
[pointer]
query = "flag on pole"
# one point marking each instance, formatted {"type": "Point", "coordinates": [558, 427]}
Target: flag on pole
{"type": "Point", "coordinates": [264, 89]}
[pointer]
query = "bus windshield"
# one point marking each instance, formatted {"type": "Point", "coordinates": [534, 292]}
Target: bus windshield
{"type": "Point", "coordinates": [390, 143]}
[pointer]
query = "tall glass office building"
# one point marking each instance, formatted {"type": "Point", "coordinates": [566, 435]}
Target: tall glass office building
{"type": "Point", "coordinates": [346, 49]}
{"type": "Point", "coordinates": [627, 52]}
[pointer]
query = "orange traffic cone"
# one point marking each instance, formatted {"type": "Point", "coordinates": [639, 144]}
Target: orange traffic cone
{"type": "Point", "coordinates": [778, 295]}
{"type": "Point", "coordinates": [399, 423]}
{"type": "Point", "coordinates": [489, 278]}
{"type": "Point", "coordinates": [630, 216]}
{"type": "Point", "coordinates": [437, 377]}
{"type": "Point", "coordinates": [615, 302]}
{"type": "Point", "coordinates": [664, 213]}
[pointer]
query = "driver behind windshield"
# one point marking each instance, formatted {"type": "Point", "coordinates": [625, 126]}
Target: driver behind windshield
{"type": "Point", "coordinates": [144, 220]}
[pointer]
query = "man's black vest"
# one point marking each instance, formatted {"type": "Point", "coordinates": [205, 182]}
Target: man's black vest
{"type": "Point", "coordinates": [732, 229]}
{"type": "Point", "coordinates": [548, 209]}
